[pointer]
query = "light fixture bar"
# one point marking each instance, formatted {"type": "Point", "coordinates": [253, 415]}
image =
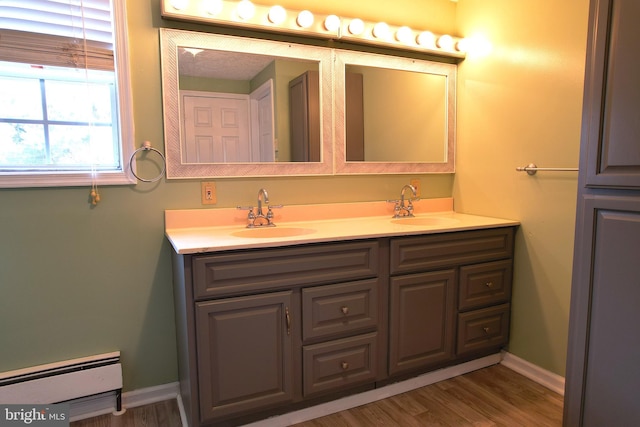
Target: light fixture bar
{"type": "Point", "coordinates": [236, 14]}
{"type": "Point", "coordinates": [274, 18]}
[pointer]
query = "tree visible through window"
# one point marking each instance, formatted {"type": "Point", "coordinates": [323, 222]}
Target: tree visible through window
{"type": "Point", "coordinates": [61, 110]}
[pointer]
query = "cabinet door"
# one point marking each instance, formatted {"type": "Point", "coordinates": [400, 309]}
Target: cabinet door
{"type": "Point", "coordinates": [611, 118]}
{"type": "Point", "coordinates": [244, 354]}
{"type": "Point", "coordinates": [421, 320]}
{"type": "Point", "coordinates": [604, 350]}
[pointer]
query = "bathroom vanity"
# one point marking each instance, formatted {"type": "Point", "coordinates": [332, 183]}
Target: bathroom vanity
{"type": "Point", "coordinates": [273, 320]}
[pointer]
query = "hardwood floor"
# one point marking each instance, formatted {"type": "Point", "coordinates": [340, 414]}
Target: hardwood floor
{"type": "Point", "coordinates": [493, 396]}
{"type": "Point", "coordinates": [161, 414]}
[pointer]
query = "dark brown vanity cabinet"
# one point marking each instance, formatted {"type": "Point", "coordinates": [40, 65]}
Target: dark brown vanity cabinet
{"type": "Point", "coordinates": [263, 331]}
{"type": "Point", "coordinates": [449, 297]}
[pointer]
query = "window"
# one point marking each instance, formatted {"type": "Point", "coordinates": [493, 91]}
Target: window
{"type": "Point", "coordinates": [65, 112]}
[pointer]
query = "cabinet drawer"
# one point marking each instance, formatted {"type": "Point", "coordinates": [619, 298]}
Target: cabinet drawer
{"type": "Point", "coordinates": [339, 363]}
{"type": "Point", "coordinates": [335, 309]}
{"type": "Point", "coordinates": [483, 329]}
{"type": "Point", "coordinates": [485, 284]}
{"type": "Point", "coordinates": [413, 254]}
{"type": "Point", "coordinates": [252, 270]}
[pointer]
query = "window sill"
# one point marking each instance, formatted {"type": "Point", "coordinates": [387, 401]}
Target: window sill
{"type": "Point", "coordinates": [64, 179]}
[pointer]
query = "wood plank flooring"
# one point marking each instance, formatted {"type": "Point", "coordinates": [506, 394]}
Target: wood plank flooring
{"type": "Point", "coordinates": [493, 396]}
{"type": "Point", "coordinates": [161, 414]}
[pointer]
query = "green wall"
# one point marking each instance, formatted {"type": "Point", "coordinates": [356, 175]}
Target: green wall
{"type": "Point", "coordinates": [78, 280]}
{"type": "Point", "coordinates": [522, 104]}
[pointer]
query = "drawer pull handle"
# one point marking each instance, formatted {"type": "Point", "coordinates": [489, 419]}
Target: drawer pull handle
{"type": "Point", "coordinates": [486, 330]}
{"type": "Point", "coordinates": [344, 366]}
{"type": "Point", "coordinates": [344, 309]}
{"type": "Point", "coordinates": [288, 319]}
{"type": "Point", "coordinates": [489, 285]}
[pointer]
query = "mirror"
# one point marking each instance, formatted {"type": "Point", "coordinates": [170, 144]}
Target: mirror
{"type": "Point", "coordinates": [398, 114]}
{"type": "Point", "coordinates": [245, 107]}
{"type": "Point", "coordinates": [310, 110]}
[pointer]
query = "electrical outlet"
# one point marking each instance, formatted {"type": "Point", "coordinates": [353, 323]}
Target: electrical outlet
{"type": "Point", "coordinates": [416, 184]}
{"type": "Point", "coordinates": [208, 193]}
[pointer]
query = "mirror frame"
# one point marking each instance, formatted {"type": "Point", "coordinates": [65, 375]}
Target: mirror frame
{"type": "Point", "coordinates": [449, 71]}
{"type": "Point", "coordinates": [171, 40]}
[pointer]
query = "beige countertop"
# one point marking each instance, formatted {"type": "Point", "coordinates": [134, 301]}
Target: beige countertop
{"type": "Point", "coordinates": [211, 230]}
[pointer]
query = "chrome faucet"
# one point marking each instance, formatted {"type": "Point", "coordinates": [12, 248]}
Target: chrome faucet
{"type": "Point", "coordinates": [259, 218]}
{"type": "Point", "coordinates": [400, 209]}
{"type": "Point", "coordinates": [263, 197]}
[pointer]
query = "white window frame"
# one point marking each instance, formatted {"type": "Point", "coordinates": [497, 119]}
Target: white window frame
{"type": "Point", "coordinates": [124, 176]}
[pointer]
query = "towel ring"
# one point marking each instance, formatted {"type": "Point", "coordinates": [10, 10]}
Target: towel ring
{"type": "Point", "coordinates": [147, 147]}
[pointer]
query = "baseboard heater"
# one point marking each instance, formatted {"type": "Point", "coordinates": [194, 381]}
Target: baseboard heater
{"type": "Point", "coordinates": [63, 381]}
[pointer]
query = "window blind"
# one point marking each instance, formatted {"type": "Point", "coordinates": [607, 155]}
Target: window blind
{"type": "Point", "coordinates": [66, 33]}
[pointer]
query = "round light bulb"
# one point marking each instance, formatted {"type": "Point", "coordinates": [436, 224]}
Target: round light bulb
{"type": "Point", "coordinates": [213, 7]}
{"type": "Point", "coordinates": [463, 45]}
{"type": "Point", "coordinates": [445, 42]}
{"type": "Point", "coordinates": [305, 19]}
{"type": "Point", "coordinates": [277, 15]}
{"type": "Point", "coordinates": [179, 4]}
{"type": "Point", "coordinates": [404, 34]}
{"type": "Point", "coordinates": [426, 39]}
{"type": "Point", "coordinates": [246, 9]}
{"type": "Point", "coordinates": [356, 26]}
{"type": "Point", "coordinates": [332, 23]}
{"type": "Point", "coordinates": [381, 30]}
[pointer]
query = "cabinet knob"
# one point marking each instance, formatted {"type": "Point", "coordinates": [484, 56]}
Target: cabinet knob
{"type": "Point", "coordinates": [489, 285]}
{"type": "Point", "coordinates": [486, 329]}
{"type": "Point", "coordinates": [344, 309]}
{"type": "Point", "coordinates": [344, 366]}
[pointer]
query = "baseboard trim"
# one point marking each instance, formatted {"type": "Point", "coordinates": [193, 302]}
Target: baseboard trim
{"type": "Point", "coordinates": [104, 403]}
{"type": "Point", "coordinates": [377, 394]}
{"type": "Point", "coordinates": [548, 379]}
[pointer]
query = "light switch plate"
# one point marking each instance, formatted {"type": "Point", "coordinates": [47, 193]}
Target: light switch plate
{"type": "Point", "coordinates": [208, 193]}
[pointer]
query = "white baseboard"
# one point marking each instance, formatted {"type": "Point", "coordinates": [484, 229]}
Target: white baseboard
{"type": "Point", "coordinates": [553, 382]}
{"type": "Point", "coordinates": [104, 403]}
{"type": "Point", "coordinates": [377, 394]}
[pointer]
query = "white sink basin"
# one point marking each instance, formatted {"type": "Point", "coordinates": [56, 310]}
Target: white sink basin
{"type": "Point", "coordinates": [272, 232]}
{"type": "Point", "coordinates": [424, 221]}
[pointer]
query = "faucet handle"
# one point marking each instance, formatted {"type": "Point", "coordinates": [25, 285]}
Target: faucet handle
{"type": "Point", "coordinates": [396, 207]}
{"type": "Point", "coordinates": [251, 215]}
{"type": "Point", "coordinates": [270, 212]}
